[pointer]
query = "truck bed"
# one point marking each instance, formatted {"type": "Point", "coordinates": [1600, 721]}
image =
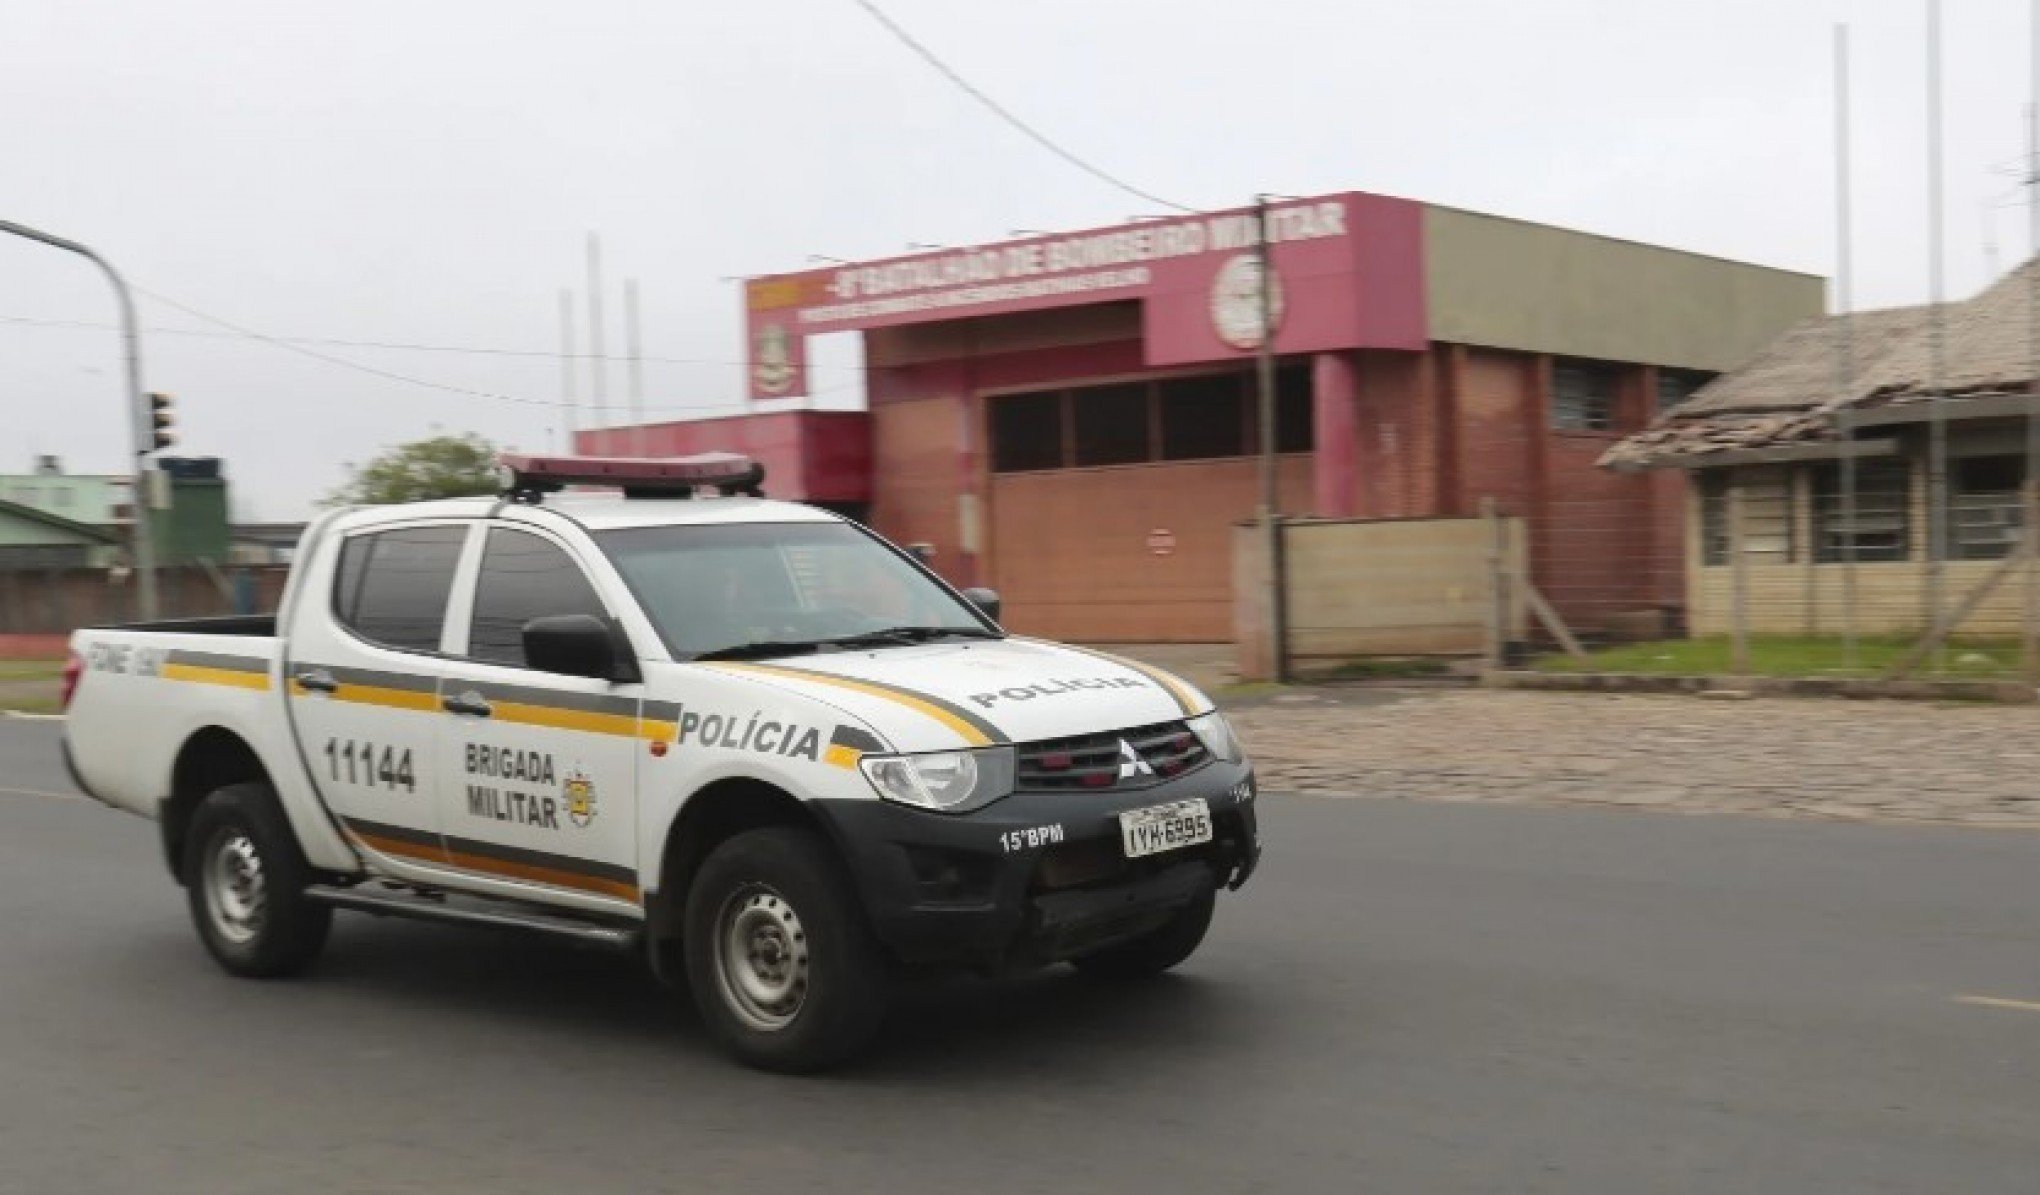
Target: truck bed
{"type": "Point", "coordinates": [230, 624]}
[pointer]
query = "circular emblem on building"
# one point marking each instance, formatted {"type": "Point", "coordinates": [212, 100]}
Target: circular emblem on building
{"type": "Point", "coordinates": [1236, 301]}
{"type": "Point", "coordinates": [772, 359]}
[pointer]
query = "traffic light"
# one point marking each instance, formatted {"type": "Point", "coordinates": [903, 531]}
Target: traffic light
{"type": "Point", "coordinates": [161, 419]}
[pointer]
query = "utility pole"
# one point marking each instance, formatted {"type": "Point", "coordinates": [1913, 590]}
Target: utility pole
{"type": "Point", "coordinates": [141, 427]}
{"type": "Point", "coordinates": [1845, 347]}
{"type": "Point", "coordinates": [1271, 530]}
{"type": "Point", "coordinates": [1937, 340]}
{"type": "Point", "coordinates": [598, 363]}
{"type": "Point", "coordinates": [637, 367]}
{"type": "Point", "coordinates": [568, 369]}
{"type": "Point", "coordinates": [2029, 513]}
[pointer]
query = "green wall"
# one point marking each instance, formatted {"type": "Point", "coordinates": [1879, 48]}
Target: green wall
{"type": "Point", "coordinates": [195, 526]}
{"type": "Point", "coordinates": [16, 531]}
{"type": "Point", "coordinates": [1507, 284]}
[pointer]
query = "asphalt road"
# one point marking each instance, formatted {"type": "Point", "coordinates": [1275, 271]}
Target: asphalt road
{"type": "Point", "coordinates": [1410, 997]}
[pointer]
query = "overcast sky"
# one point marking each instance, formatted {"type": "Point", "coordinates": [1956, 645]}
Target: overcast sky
{"type": "Point", "coordinates": [425, 171]}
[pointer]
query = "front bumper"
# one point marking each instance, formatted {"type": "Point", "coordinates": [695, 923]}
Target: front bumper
{"type": "Point", "coordinates": [1037, 877]}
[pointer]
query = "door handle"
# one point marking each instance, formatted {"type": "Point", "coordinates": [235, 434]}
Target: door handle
{"type": "Point", "coordinates": [467, 703]}
{"type": "Point", "coordinates": [318, 680]}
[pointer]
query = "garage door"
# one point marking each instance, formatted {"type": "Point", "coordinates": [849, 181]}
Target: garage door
{"type": "Point", "coordinates": [1112, 507]}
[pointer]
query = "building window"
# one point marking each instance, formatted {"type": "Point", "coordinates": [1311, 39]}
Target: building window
{"type": "Point", "coordinates": [1203, 417]}
{"type": "Point", "coordinates": [1675, 386]}
{"type": "Point", "coordinates": [1984, 506]}
{"type": "Point", "coordinates": [1111, 425]}
{"type": "Point", "coordinates": [1882, 530]}
{"type": "Point", "coordinates": [1583, 396]}
{"type": "Point", "coordinates": [1027, 432]}
{"type": "Point", "coordinates": [1767, 515]}
{"type": "Point", "coordinates": [1295, 413]}
{"type": "Point", "coordinates": [1767, 530]}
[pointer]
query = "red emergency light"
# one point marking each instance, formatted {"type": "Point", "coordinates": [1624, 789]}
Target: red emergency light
{"type": "Point", "coordinates": [525, 476]}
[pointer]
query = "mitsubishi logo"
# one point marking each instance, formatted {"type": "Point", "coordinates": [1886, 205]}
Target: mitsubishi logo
{"type": "Point", "coordinates": [1130, 762]}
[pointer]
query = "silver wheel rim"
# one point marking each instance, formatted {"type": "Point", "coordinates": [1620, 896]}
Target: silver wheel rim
{"type": "Point", "coordinates": [761, 958]}
{"type": "Point", "coordinates": [236, 894]}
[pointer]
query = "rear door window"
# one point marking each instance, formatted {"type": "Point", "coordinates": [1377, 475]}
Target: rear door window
{"type": "Point", "coordinates": [392, 586]}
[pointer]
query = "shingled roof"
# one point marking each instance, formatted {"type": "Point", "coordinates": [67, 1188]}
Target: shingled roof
{"type": "Point", "coordinates": [1789, 393]}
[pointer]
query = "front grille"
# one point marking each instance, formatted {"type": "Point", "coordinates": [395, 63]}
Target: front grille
{"type": "Point", "coordinates": [1107, 761]}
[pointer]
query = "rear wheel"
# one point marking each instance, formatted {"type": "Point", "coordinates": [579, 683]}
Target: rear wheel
{"type": "Point", "coordinates": [782, 966]}
{"type": "Point", "coordinates": [245, 879]}
{"type": "Point", "coordinates": [1156, 950]}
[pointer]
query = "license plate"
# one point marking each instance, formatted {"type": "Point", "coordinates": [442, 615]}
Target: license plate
{"type": "Point", "coordinates": [1164, 827]}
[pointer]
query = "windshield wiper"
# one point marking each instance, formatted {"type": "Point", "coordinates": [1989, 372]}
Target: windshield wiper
{"type": "Point", "coordinates": [885, 637]}
{"type": "Point", "coordinates": [908, 635]}
{"type": "Point", "coordinates": [764, 648]}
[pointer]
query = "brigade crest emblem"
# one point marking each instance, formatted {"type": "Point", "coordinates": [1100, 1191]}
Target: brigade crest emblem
{"type": "Point", "coordinates": [772, 358]}
{"type": "Point", "coordinates": [579, 796]}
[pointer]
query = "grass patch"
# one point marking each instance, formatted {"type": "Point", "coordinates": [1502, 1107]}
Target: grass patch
{"type": "Point", "coordinates": [1379, 667]}
{"type": "Point", "coordinates": [1795, 655]}
{"type": "Point", "coordinates": [1247, 690]}
{"type": "Point", "coordinates": [30, 705]}
{"type": "Point", "coordinates": [31, 669]}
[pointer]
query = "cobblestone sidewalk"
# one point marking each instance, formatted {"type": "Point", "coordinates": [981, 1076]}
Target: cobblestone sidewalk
{"type": "Point", "coordinates": [1784, 758]}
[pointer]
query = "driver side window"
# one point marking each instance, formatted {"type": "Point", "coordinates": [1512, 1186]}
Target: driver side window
{"type": "Point", "coordinates": [523, 577]}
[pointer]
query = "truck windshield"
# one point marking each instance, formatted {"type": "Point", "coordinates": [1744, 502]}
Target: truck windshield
{"type": "Point", "coordinates": [759, 589]}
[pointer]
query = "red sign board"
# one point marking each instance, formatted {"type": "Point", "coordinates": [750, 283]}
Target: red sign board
{"type": "Point", "coordinates": [1348, 274]}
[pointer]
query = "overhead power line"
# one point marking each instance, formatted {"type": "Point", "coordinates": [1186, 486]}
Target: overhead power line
{"type": "Point", "coordinates": [343, 362]}
{"type": "Point", "coordinates": [301, 346]}
{"type": "Point", "coordinates": [999, 110]}
{"type": "Point", "coordinates": [476, 350]}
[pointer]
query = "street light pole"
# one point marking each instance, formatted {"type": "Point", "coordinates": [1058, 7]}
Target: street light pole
{"type": "Point", "coordinates": [1270, 516]}
{"type": "Point", "coordinates": [141, 428]}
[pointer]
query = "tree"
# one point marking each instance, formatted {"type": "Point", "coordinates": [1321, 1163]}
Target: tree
{"type": "Point", "coordinates": [441, 467]}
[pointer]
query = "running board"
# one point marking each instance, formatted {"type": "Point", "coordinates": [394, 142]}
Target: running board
{"type": "Point", "coordinates": [395, 904]}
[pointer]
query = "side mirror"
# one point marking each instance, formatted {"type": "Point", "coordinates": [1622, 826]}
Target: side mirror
{"type": "Point", "coordinates": [578, 645]}
{"type": "Point", "coordinates": [986, 600]}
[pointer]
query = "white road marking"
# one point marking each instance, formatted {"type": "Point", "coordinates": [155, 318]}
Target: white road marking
{"type": "Point", "coordinates": [1999, 1002]}
{"type": "Point", "coordinates": [31, 792]}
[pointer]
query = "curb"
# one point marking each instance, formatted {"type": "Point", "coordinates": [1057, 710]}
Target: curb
{"type": "Point", "coordinates": [1864, 688]}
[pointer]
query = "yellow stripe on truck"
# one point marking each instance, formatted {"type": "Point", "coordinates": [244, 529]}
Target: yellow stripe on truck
{"type": "Point", "coordinates": [559, 718]}
{"type": "Point", "coordinates": [970, 734]}
{"type": "Point", "coordinates": [202, 675]}
{"type": "Point", "coordinates": [423, 700]}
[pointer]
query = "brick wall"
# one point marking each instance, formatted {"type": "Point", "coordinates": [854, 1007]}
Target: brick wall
{"type": "Point", "coordinates": [58, 601]}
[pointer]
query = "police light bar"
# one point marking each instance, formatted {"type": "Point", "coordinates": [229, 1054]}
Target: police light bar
{"type": "Point", "coordinates": [526, 476]}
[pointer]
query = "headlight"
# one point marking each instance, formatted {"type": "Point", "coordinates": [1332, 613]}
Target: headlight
{"type": "Point", "coordinates": [945, 781]}
{"type": "Point", "coordinates": [1216, 734]}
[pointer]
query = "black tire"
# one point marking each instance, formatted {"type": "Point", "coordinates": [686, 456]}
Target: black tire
{"type": "Point", "coordinates": [812, 984]}
{"type": "Point", "coordinates": [1156, 950]}
{"type": "Point", "coordinates": [244, 879]}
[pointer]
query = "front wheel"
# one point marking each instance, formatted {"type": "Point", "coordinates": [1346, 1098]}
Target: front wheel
{"type": "Point", "coordinates": [245, 880]}
{"type": "Point", "coordinates": [782, 966]}
{"type": "Point", "coordinates": [1156, 950]}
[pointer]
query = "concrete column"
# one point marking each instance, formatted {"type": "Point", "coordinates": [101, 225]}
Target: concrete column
{"type": "Point", "coordinates": [1335, 397]}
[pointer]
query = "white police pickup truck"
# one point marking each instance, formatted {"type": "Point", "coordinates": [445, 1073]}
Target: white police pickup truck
{"type": "Point", "coordinates": [750, 738]}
